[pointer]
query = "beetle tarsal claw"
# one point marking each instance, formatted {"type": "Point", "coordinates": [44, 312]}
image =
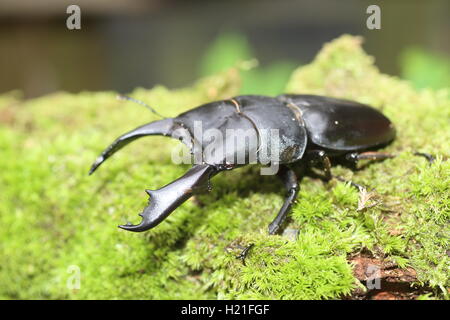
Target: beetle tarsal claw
{"type": "Point", "coordinates": [164, 201]}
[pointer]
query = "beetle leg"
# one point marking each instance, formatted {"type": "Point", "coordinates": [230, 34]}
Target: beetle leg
{"type": "Point", "coordinates": [430, 158]}
{"type": "Point", "coordinates": [288, 177]}
{"type": "Point", "coordinates": [243, 254]}
{"type": "Point", "coordinates": [353, 184]}
{"type": "Point", "coordinates": [319, 157]}
{"type": "Point", "coordinates": [354, 157]}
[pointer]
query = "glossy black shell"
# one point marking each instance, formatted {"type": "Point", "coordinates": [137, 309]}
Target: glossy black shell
{"type": "Point", "coordinates": [341, 125]}
{"type": "Point", "coordinates": [255, 114]}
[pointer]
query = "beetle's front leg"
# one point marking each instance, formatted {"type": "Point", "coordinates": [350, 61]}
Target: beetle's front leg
{"type": "Point", "coordinates": [289, 179]}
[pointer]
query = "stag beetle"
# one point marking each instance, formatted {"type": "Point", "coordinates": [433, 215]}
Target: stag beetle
{"type": "Point", "coordinates": [310, 128]}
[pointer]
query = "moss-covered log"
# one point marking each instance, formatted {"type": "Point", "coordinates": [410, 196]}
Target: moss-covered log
{"type": "Point", "coordinates": [53, 216]}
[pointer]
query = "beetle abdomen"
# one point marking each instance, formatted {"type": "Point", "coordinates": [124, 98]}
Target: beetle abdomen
{"type": "Point", "coordinates": [342, 124]}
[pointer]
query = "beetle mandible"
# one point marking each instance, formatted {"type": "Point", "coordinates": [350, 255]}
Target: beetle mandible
{"type": "Point", "coordinates": [311, 129]}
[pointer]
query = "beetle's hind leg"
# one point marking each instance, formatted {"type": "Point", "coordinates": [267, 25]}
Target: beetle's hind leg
{"type": "Point", "coordinates": [289, 179]}
{"type": "Point", "coordinates": [244, 253]}
{"type": "Point", "coordinates": [355, 157]}
{"type": "Point", "coordinates": [430, 158]}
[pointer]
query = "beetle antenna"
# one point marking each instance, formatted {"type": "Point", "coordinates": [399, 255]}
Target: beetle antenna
{"type": "Point", "coordinates": [122, 97]}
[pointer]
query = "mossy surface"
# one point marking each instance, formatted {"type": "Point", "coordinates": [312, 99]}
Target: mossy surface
{"type": "Point", "coordinates": [56, 219]}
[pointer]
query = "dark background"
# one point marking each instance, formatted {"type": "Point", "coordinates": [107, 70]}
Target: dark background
{"type": "Point", "coordinates": [137, 43]}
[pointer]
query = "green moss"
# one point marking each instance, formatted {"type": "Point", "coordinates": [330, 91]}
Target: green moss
{"type": "Point", "coordinates": [55, 217]}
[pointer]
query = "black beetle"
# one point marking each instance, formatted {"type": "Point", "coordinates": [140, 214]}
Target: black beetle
{"type": "Point", "coordinates": [310, 129]}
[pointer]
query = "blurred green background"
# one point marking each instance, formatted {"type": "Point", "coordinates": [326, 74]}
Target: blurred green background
{"type": "Point", "coordinates": [127, 44]}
